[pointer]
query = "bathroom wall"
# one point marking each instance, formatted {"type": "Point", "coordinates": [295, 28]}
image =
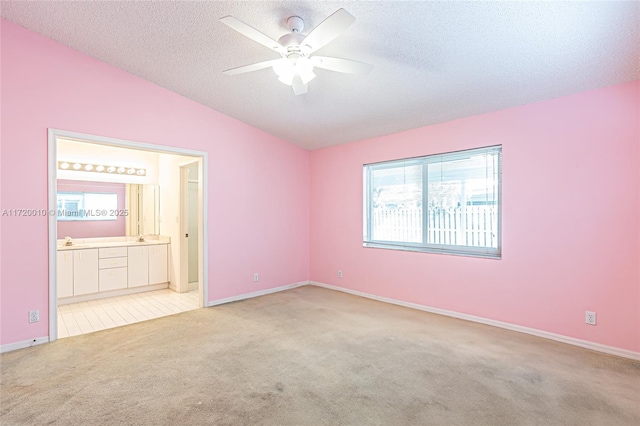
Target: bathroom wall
{"type": "Point", "coordinates": [93, 228]}
{"type": "Point", "coordinates": [258, 184]}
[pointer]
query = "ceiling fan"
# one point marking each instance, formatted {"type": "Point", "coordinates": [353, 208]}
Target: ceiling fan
{"type": "Point", "coordinates": [295, 67]}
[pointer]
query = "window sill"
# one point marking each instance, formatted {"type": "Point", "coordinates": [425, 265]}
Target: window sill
{"type": "Point", "coordinates": [474, 252]}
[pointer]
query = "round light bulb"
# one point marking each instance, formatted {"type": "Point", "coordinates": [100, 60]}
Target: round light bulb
{"type": "Point", "coordinates": [88, 167]}
{"type": "Point", "coordinates": [131, 171]}
{"type": "Point", "coordinates": [111, 169]}
{"type": "Point", "coordinates": [64, 166]}
{"type": "Point", "coordinates": [140, 172]}
{"type": "Point", "coordinates": [77, 166]}
{"type": "Point", "coordinates": [120, 169]}
{"type": "Point", "coordinates": [99, 168]}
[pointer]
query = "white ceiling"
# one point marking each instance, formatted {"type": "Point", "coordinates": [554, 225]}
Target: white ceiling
{"type": "Point", "coordinates": [433, 61]}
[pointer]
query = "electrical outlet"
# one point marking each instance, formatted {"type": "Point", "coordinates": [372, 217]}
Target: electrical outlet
{"type": "Point", "coordinates": [255, 277]}
{"type": "Point", "coordinates": [34, 316]}
{"type": "Point", "coordinates": [339, 274]}
{"type": "Point", "coordinates": [590, 317]}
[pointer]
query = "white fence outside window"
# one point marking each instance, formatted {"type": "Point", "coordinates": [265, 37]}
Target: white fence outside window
{"type": "Point", "coordinates": [473, 226]}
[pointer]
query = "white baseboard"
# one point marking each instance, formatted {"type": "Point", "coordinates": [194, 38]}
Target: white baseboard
{"type": "Point", "coordinates": [513, 327]}
{"type": "Point", "coordinates": [24, 344]}
{"type": "Point", "coordinates": [256, 293]}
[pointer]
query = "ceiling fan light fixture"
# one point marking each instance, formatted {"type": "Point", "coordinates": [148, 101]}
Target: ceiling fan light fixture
{"type": "Point", "coordinates": [284, 70]}
{"type": "Point", "coordinates": [295, 67]}
{"type": "Point", "coordinates": [286, 79]}
{"type": "Point", "coordinates": [304, 68]}
{"type": "Point", "coordinates": [287, 69]}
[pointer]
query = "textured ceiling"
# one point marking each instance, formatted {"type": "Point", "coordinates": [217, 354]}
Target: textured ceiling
{"type": "Point", "coordinates": [433, 61]}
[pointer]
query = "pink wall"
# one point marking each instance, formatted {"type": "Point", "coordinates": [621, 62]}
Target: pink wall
{"type": "Point", "coordinates": [258, 184]}
{"type": "Point", "coordinates": [93, 228]}
{"type": "Point", "coordinates": [571, 218]}
{"type": "Point", "coordinates": [571, 198]}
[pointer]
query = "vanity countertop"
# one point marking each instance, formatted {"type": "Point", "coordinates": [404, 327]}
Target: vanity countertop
{"type": "Point", "coordinates": [89, 245]}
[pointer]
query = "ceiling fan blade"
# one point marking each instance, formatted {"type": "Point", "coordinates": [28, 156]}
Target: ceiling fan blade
{"type": "Point", "coordinates": [327, 30]}
{"type": "Point", "coordinates": [299, 88]}
{"type": "Point", "coordinates": [252, 67]}
{"type": "Point", "coordinates": [252, 33]}
{"type": "Point", "coordinates": [341, 65]}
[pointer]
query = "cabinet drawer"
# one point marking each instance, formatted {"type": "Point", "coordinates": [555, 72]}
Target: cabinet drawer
{"type": "Point", "coordinates": [113, 262]}
{"type": "Point", "coordinates": [112, 252]}
{"type": "Point", "coordinates": [113, 279]}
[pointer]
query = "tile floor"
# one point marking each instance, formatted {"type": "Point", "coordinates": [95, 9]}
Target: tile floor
{"type": "Point", "coordinates": [95, 315]}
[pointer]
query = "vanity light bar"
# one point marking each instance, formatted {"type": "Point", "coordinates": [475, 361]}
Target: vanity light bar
{"type": "Point", "coordinates": [99, 168]}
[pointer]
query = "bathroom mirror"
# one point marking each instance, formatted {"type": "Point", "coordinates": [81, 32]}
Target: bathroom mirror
{"type": "Point", "coordinates": [132, 209]}
{"type": "Point", "coordinates": [143, 205]}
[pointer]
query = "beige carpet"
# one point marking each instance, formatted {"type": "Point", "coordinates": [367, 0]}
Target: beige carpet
{"type": "Point", "coordinates": [312, 356]}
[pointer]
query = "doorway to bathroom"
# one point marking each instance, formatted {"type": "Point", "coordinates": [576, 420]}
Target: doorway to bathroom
{"type": "Point", "coordinates": [126, 242]}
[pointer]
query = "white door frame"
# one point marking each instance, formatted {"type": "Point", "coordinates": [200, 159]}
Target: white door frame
{"type": "Point", "coordinates": [184, 250]}
{"type": "Point", "coordinates": [53, 135]}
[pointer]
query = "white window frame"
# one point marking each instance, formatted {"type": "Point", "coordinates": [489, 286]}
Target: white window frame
{"type": "Point", "coordinates": [461, 250]}
{"type": "Point", "coordinates": [86, 211]}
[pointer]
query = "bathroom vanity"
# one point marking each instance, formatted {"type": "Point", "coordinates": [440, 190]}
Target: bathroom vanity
{"type": "Point", "coordinates": [95, 268]}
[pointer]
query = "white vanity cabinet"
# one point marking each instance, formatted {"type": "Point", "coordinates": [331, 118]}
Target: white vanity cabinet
{"type": "Point", "coordinates": [85, 271]}
{"type": "Point", "coordinates": [107, 270]}
{"type": "Point", "coordinates": [158, 264]}
{"type": "Point", "coordinates": [65, 273]}
{"type": "Point", "coordinates": [138, 266]}
{"type": "Point", "coordinates": [148, 265]}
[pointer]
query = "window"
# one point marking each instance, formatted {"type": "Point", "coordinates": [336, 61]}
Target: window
{"type": "Point", "coordinates": [446, 203]}
{"type": "Point", "coordinates": [87, 206]}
